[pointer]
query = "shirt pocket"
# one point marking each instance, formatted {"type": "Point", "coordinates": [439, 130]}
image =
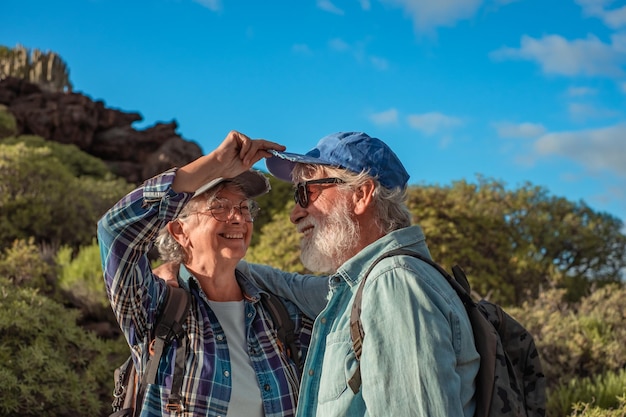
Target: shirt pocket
{"type": "Point", "coordinates": [339, 366]}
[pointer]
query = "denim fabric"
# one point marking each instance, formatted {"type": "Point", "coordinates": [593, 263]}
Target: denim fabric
{"type": "Point", "coordinates": [418, 355]}
{"type": "Point", "coordinates": [418, 358]}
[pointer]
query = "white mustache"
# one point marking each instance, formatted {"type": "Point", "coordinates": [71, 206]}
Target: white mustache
{"type": "Point", "coordinates": [305, 224]}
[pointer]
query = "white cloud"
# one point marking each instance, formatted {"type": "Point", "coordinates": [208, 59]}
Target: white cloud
{"type": "Point", "coordinates": [214, 5]}
{"type": "Point", "coordinates": [379, 63]}
{"type": "Point", "coordinates": [386, 117]}
{"type": "Point", "coordinates": [338, 45]}
{"type": "Point", "coordinates": [622, 87]}
{"type": "Point", "coordinates": [431, 123]}
{"type": "Point", "coordinates": [328, 6]}
{"type": "Point", "coordinates": [519, 130]}
{"type": "Point", "coordinates": [302, 49]}
{"type": "Point", "coordinates": [597, 150]}
{"type": "Point", "coordinates": [359, 52]}
{"type": "Point", "coordinates": [557, 55]}
{"type": "Point", "coordinates": [581, 91]}
{"type": "Point", "coordinates": [613, 18]}
{"type": "Point", "coordinates": [430, 14]}
{"type": "Point", "coordinates": [581, 112]}
{"type": "Point", "coordinates": [365, 4]}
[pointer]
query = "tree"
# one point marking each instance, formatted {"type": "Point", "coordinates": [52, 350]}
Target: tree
{"type": "Point", "coordinates": [513, 243]}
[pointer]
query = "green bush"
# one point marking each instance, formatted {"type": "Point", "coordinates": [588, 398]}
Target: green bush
{"type": "Point", "coordinates": [577, 340]}
{"type": "Point", "coordinates": [50, 366]}
{"type": "Point", "coordinates": [8, 126]}
{"type": "Point", "coordinates": [602, 391]}
{"type": "Point", "coordinates": [41, 197]}
{"type": "Point", "coordinates": [80, 279]}
{"type": "Point", "coordinates": [24, 265]}
{"type": "Point", "coordinates": [78, 162]}
{"type": "Point", "coordinates": [607, 405]}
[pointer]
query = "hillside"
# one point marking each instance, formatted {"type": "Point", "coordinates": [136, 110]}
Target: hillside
{"type": "Point", "coordinates": [73, 118]}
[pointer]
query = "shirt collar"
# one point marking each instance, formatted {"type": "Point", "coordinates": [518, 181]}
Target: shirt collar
{"type": "Point", "coordinates": [250, 291]}
{"type": "Point", "coordinates": [353, 269]}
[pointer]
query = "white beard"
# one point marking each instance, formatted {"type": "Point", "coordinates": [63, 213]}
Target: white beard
{"type": "Point", "coordinates": [331, 240]}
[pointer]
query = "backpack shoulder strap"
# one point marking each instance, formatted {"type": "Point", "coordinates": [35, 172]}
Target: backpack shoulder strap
{"type": "Point", "coordinates": [356, 328]}
{"type": "Point", "coordinates": [283, 324]}
{"type": "Point", "coordinates": [169, 326]}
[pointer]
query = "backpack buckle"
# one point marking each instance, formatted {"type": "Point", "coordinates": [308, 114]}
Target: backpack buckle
{"type": "Point", "coordinates": [174, 405]}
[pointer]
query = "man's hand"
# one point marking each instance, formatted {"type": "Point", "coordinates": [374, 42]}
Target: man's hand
{"type": "Point", "coordinates": [168, 272]}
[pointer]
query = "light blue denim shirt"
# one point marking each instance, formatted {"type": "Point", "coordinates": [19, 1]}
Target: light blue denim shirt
{"type": "Point", "coordinates": [418, 358]}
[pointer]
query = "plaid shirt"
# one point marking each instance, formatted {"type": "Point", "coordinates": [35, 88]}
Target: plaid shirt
{"type": "Point", "coordinates": [126, 233]}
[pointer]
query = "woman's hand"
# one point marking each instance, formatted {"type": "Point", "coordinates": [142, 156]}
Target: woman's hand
{"type": "Point", "coordinates": [237, 153]}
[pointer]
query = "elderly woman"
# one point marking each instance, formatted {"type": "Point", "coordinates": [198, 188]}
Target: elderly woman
{"type": "Point", "coordinates": [202, 216]}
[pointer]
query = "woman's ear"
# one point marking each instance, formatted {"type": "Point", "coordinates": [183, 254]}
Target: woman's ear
{"type": "Point", "coordinates": [362, 197]}
{"type": "Point", "coordinates": [177, 230]}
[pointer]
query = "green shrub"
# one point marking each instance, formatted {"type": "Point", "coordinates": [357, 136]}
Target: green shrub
{"type": "Point", "coordinates": [78, 162]}
{"type": "Point", "coordinates": [8, 126]}
{"type": "Point", "coordinates": [602, 391]}
{"type": "Point", "coordinates": [41, 197]}
{"type": "Point", "coordinates": [50, 366]}
{"type": "Point", "coordinates": [577, 340]}
{"type": "Point", "coordinates": [80, 279]}
{"type": "Point", "coordinates": [24, 265]}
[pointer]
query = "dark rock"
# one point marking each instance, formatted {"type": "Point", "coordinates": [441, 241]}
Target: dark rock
{"type": "Point", "coordinates": [73, 118]}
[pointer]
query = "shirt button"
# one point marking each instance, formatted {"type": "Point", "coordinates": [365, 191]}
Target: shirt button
{"type": "Point", "coordinates": [226, 374]}
{"type": "Point", "coordinates": [220, 337]}
{"type": "Point", "coordinates": [323, 320]}
{"type": "Point", "coordinates": [249, 315]}
{"type": "Point", "coordinates": [311, 372]}
{"type": "Point", "coordinates": [267, 387]}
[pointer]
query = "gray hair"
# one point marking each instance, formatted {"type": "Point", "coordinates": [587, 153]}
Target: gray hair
{"type": "Point", "coordinates": [390, 206]}
{"type": "Point", "coordinates": [169, 249]}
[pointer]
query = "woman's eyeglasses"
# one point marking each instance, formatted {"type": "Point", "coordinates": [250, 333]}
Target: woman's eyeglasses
{"type": "Point", "coordinates": [301, 194]}
{"type": "Point", "coordinates": [222, 210]}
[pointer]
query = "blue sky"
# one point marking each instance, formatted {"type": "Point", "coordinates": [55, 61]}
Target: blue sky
{"type": "Point", "coordinates": [519, 91]}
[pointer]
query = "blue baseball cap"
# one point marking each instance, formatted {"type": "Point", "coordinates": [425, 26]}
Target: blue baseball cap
{"type": "Point", "coordinates": [354, 151]}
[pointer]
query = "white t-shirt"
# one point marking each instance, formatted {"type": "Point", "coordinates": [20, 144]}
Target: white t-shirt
{"type": "Point", "coordinates": [245, 399]}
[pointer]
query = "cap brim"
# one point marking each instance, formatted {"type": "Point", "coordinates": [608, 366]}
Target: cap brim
{"type": "Point", "coordinates": [253, 183]}
{"type": "Point", "coordinates": [281, 164]}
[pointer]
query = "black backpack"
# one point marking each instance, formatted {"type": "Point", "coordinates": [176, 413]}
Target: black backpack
{"type": "Point", "coordinates": [128, 395]}
{"type": "Point", "coordinates": [510, 380]}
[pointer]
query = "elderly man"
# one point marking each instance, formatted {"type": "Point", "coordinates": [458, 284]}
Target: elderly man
{"type": "Point", "coordinates": [418, 354]}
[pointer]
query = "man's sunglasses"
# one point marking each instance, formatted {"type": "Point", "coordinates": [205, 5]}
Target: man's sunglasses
{"type": "Point", "coordinates": [301, 193]}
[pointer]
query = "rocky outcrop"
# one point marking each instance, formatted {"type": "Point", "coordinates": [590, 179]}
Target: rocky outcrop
{"type": "Point", "coordinates": [45, 69]}
{"type": "Point", "coordinates": [73, 118]}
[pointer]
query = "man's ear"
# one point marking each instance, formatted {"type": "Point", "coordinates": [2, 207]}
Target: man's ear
{"type": "Point", "coordinates": [363, 196]}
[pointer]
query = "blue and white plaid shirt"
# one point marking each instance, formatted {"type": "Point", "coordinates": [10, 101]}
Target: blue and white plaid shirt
{"type": "Point", "coordinates": [126, 233]}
